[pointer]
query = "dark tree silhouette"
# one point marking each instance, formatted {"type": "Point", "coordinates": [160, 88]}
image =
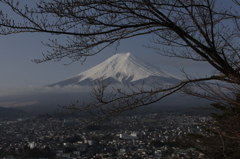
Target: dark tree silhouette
{"type": "Point", "coordinates": [221, 138]}
{"type": "Point", "coordinates": [198, 30]}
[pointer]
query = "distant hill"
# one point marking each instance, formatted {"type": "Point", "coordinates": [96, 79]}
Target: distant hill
{"type": "Point", "coordinates": [11, 113]}
{"type": "Point", "coordinates": [120, 69]}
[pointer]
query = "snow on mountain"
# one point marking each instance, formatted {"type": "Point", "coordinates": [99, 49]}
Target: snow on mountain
{"type": "Point", "coordinates": [122, 68]}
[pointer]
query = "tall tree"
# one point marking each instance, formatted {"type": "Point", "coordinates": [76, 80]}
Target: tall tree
{"type": "Point", "coordinates": [221, 138]}
{"type": "Point", "coordinates": [198, 30]}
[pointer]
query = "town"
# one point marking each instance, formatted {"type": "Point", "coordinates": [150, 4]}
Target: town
{"type": "Point", "coordinates": [150, 136]}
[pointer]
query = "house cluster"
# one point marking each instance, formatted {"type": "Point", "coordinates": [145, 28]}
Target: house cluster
{"type": "Point", "coordinates": [151, 136]}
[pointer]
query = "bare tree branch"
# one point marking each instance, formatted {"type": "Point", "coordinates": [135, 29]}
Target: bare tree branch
{"type": "Point", "coordinates": [198, 30]}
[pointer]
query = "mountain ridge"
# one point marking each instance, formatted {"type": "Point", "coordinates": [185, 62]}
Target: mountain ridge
{"type": "Point", "coordinates": [121, 68]}
{"type": "Point", "coordinates": [11, 113]}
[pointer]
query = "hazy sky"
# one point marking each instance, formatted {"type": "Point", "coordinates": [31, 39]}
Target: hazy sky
{"type": "Point", "coordinates": [22, 77]}
{"type": "Point", "coordinates": [17, 69]}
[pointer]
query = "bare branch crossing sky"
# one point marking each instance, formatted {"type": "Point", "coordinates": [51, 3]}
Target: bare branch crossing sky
{"type": "Point", "coordinates": [17, 51]}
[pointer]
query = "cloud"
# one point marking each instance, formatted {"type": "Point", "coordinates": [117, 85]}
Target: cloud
{"type": "Point", "coordinates": [46, 97]}
{"type": "Point", "coordinates": [35, 90]}
{"type": "Point", "coordinates": [17, 104]}
{"type": "Point", "coordinates": [42, 96]}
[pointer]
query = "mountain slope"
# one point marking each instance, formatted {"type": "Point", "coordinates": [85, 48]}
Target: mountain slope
{"type": "Point", "coordinates": [122, 68]}
{"type": "Point", "coordinates": [11, 113]}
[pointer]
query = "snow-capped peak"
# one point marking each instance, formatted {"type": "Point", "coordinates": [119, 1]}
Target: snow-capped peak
{"type": "Point", "coordinates": [122, 67]}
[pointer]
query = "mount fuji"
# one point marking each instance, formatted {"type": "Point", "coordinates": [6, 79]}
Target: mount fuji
{"type": "Point", "coordinates": [122, 68]}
